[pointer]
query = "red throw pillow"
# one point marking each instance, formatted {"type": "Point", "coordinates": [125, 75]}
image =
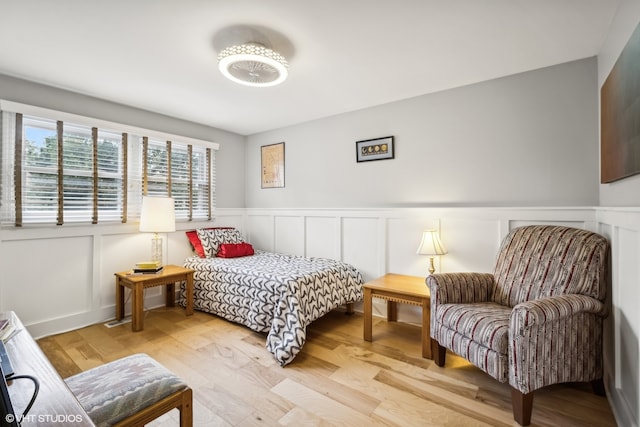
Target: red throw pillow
{"type": "Point", "coordinates": [195, 242]}
{"type": "Point", "coordinates": [192, 235]}
{"type": "Point", "coordinates": [235, 250]}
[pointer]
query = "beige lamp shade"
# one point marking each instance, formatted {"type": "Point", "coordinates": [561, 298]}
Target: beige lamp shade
{"type": "Point", "coordinates": [158, 215]}
{"type": "Point", "coordinates": [431, 244]}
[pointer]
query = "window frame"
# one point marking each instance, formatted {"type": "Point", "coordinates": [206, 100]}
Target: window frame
{"type": "Point", "coordinates": [131, 192]}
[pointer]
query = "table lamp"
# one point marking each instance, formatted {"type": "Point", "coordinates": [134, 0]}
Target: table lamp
{"type": "Point", "coordinates": [157, 216]}
{"type": "Point", "coordinates": [432, 246]}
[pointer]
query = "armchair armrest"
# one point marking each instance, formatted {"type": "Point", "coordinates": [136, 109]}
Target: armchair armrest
{"type": "Point", "coordinates": [555, 340]}
{"type": "Point", "coordinates": [454, 288]}
{"type": "Point", "coordinates": [535, 313]}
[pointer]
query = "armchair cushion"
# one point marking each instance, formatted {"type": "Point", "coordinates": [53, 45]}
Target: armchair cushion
{"type": "Point", "coordinates": [478, 332]}
{"type": "Point", "coordinates": [485, 323]}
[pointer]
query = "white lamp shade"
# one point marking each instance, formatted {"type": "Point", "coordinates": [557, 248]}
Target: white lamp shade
{"type": "Point", "coordinates": [158, 215]}
{"type": "Point", "coordinates": [431, 244]}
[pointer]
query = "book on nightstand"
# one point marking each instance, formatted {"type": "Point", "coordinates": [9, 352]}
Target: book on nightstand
{"type": "Point", "coordinates": [149, 264]}
{"type": "Point", "coordinates": [148, 270]}
{"type": "Point", "coordinates": [149, 267]}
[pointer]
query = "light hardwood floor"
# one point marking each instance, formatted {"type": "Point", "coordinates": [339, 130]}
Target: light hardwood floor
{"type": "Point", "coordinates": [337, 379]}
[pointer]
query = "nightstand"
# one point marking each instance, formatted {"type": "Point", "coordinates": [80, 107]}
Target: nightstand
{"type": "Point", "coordinates": [397, 288]}
{"type": "Point", "coordinates": [136, 282]}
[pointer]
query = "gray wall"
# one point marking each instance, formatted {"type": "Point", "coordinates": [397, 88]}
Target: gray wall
{"type": "Point", "coordinates": [230, 157]}
{"type": "Point", "coordinates": [526, 139]}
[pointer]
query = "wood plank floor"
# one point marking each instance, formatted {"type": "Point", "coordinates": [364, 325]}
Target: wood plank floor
{"type": "Point", "coordinates": [337, 379]}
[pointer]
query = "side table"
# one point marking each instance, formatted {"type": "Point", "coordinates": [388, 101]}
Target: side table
{"type": "Point", "coordinates": [397, 288]}
{"type": "Point", "coordinates": [169, 275]}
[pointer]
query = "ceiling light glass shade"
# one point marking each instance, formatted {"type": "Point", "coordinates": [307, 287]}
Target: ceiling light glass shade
{"type": "Point", "coordinates": [253, 65]}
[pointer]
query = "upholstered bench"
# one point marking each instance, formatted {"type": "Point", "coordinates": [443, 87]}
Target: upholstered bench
{"type": "Point", "coordinates": [131, 391]}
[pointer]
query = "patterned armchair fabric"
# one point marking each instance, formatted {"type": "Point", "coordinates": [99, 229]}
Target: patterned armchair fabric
{"type": "Point", "coordinates": [537, 320]}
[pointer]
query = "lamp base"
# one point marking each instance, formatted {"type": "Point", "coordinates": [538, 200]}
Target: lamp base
{"type": "Point", "coordinates": [156, 248]}
{"type": "Point", "coordinates": [432, 267]}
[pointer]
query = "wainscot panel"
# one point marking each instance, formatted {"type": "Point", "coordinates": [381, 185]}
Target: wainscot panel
{"type": "Point", "coordinates": [289, 235]}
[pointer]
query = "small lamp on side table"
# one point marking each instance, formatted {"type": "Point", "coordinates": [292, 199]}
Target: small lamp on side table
{"type": "Point", "coordinates": [432, 246]}
{"type": "Point", "coordinates": [157, 216]}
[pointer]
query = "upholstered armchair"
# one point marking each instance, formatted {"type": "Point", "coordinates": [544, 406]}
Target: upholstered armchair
{"type": "Point", "coordinates": [536, 321]}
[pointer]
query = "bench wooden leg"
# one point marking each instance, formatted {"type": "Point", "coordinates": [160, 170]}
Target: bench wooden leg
{"type": "Point", "coordinates": [181, 400]}
{"type": "Point", "coordinates": [186, 411]}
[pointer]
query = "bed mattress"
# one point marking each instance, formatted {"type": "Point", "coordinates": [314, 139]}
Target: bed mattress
{"type": "Point", "coordinates": [274, 293]}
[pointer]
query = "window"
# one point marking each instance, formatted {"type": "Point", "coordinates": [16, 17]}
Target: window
{"type": "Point", "coordinates": [56, 172]}
{"type": "Point", "coordinates": [180, 171]}
{"type": "Point", "coordinates": [85, 165]}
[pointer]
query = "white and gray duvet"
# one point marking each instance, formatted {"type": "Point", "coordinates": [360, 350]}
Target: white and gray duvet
{"type": "Point", "coordinates": [274, 293]}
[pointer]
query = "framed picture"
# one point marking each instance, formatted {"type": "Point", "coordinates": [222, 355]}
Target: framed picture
{"type": "Point", "coordinates": [619, 124]}
{"type": "Point", "coordinates": [374, 149]}
{"type": "Point", "coordinates": [272, 164]}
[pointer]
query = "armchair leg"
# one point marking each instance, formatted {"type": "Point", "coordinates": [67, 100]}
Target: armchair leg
{"type": "Point", "coordinates": [522, 405]}
{"type": "Point", "coordinates": [438, 352]}
{"type": "Point", "coordinates": [598, 387]}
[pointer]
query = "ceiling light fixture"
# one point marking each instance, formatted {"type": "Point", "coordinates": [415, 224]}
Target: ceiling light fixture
{"type": "Point", "coordinates": [252, 64]}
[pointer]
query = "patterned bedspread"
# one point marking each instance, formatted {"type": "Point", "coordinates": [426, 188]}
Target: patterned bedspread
{"type": "Point", "coordinates": [274, 293]}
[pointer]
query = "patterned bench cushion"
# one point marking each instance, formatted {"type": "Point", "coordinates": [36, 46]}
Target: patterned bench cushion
{"type": "Point", "coordinates": [119, 389]}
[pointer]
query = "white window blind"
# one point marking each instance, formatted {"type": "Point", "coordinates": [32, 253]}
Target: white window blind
{"type": "Point", "coordinates": [203, 183]}
{"type": "Point", "coordinates": [70, 173]}
{"type": "Point", "coordinates": [183, 172]}
{"type": "Point", "coordinates": [112, 176]}
{"type": "Point", "coordinates": [39, 178]}
{"type": "Point", "coordinates": [156, 166]}
{"type": "Point", "coordinates": [77, 174]}
{"type": "Point", "coordinates": [61, 168]}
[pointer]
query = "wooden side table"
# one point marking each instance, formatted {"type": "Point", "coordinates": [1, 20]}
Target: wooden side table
{"type": "Point", "coordinates": [397, 288]}
{"type": "Point", "coordinates": [169, 275]}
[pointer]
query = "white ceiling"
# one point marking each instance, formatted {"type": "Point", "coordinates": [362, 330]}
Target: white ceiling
{"type": "Point", "coordinates": [344, 55]}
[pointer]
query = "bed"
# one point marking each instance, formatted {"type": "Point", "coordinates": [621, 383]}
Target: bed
{"type": "Point", "coordinates": [276, 294]}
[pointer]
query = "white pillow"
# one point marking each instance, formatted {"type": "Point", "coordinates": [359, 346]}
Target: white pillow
{"type": "Point", "coordinates": [212, 239]}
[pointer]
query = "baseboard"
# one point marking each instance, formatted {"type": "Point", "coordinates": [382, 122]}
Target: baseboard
{"type": "Point", "coordinates": [622, 412]}
{"type": "Point", "coordinates": [79, 320]}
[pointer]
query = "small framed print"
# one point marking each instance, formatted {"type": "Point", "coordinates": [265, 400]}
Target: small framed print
{"type": "Point", "coordinates": [272, 164]}
{"type": "Point", "coordinates": [374, 149]}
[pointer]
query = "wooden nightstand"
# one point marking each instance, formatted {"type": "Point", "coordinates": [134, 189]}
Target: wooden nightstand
{"type": "Point", "coordinates": [169, 275]}
{"type": "Point", "coordinates": [404, 289]}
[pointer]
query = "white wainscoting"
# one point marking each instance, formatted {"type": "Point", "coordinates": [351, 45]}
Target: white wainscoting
{"type": "Point", "coordinates": [378, 241]}
{"type": "Point", "coordinates": [61, 278]}
{"type": "Point", "coordinates": [622, 328]}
